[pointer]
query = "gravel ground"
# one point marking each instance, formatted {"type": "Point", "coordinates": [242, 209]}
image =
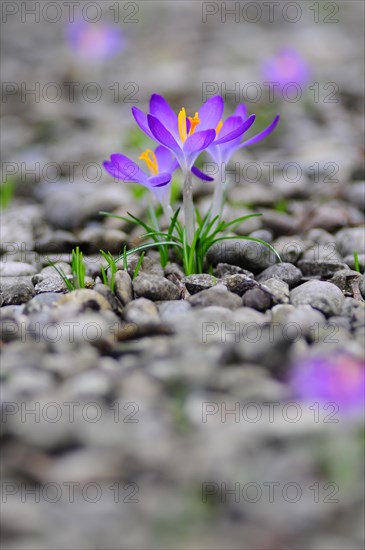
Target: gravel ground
{"type": "Point", "coordinates": [164, 414]}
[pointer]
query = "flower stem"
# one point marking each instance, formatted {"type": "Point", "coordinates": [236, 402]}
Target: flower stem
{"type": "Point", "coordinates": [217, 203]}
{"type": "Point", "coordinates": [189, 206]}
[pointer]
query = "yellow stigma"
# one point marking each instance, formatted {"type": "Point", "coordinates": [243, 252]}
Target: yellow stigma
{"type": "Point", "coordinates": [194, 121]}
{"type": "Point", "coordinates": [150, 159]}
{"type": "Point", "coordinates": [219, 126]}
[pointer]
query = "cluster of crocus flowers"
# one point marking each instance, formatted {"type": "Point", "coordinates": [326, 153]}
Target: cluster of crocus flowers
{"type": "Point", "coordinates": [95, 40]}
{"type": "Point", "coordinates": [337, 378]}
{"type": "Point", "coordinates": [181, 139]}
{"type": "Point", "coordinates": [285, 68]}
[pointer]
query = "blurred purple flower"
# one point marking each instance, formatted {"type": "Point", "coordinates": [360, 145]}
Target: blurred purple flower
{"type": "Point", "coordinates": [335, 378]}
{"type": "Point", "coordinates": [160, 163]}
{"type": "Point", "coordinates": [96, 41]}
{"type": "Point", "coordinates": [286, 67]}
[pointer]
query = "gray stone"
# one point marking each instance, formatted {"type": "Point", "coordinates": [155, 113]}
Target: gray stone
{"type": "Point", "coordinates": [319, 236]}
{"type": "Point", "coordinates": [90, 384]}
{"type": "Point", "coordinates": [41, 302]}
{"type": "Point", "coordinates": [340, 322]}
{"type": "Point", "coordinates": [355, 193]}
{"type": "Point", "coordinates": [56, 241]}
{"type": "Point", "coordinates": [155, 288]}
{"type": "Point", "coordinates": [246, 254]}
{"type": "Point", "coordinates": [197, 283]}
{"type": "Point", "coordinates": [284, 271]}
{"type": "Point", "coordinates": [320, 268]}
{"type": "Point", "coordinates": [308, 321]}
{"type": "Point", "coordinates": [70, 362]}
{"type": "Point", "coordinates": [321, 295]}
{"type": "Point", "coordinates": [92, 239]}
{"type": "Point", "coordinates": [354, 310]}
{"type": "Point", "coordinates": [172, 309]}
{"type": "Point", "coordinates": [109, 295]}
{"type": "Point", "coordinates": [291, 249]}
{"type": "Point", "coordinates": [257, 298]}
{"type": "Point", "coordinates": [16, 269]}
{"type": "Point", "coordinates": [16, 290]}
{"type": "Point", "coordinates": [351, 239]}
{"type": "Point", "coordinates": [85, 298]}
{"type": "Point", "coordinates": [279, 223]}
{"type": "Point", "coordinates": [239, 283]}
{"type": "Point", "coordinates": [52, 283]}
{"type": "Point", "coordinates": [323, 253]}
{"type": "Point", "coordinates": [150, 266]}
{"type": "Point", "coordinates": [362, 286]}
{"type": "Point", "coordinates": [141, 312]}
{"type": "Point", "coordinates": [174, 269]}
{"type": "Point", "coordinates": [263, 235]}
{"type": "Point", "coordinates": [221, 270]}
{"type": "Point", "coordinates": [216, 297]}
{"type": "Point", "coordinates": [278, 289]}
{"type": "Point", "coordinates": [123, 287]}
{"type": "Point", "coordinates": [346, 279]}
{"type": "Point", "coordinates": [28, 382]}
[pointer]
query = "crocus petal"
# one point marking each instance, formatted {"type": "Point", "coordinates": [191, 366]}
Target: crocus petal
{"type": "Point", "coordinates": [121, 167]}
{"type": "Point", "coordinates": [199, 174]}
{"type": "Point", "coordinates": [210, 113]}
{"type": "Point", "coordinates": [160, 180]}
{"type": "Point", "coordinates": [198, 141]}
{"type": "Point", "coordinates": [262, 134]}
{"type": "Point", "coordinates": [233, 128]}
{"type": "Point", "coordinates": [162, 135]}
{"type": "Point", "coordinates": [162, 110]}
{"type": "Point", "coordinates": [141, 119]}
{"type": "Point", "coordinates": [241, 111]}
{"type": "Point", "coordinates": [165, 159]}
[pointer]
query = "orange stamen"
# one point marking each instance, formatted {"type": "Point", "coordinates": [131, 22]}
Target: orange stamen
{"type": "Point", "coordinates": [219, 126]}
{"type": "Point", "coordinates": [194, 121]}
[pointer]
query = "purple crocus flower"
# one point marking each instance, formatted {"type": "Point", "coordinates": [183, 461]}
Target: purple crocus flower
{"type": "Point", "coordinates": [286, 67]}
{"type": "Point", "coordinates": [335, 378]}
{"type": "Point", "coordinates": [221, 150]}
{"type": "Point", "coordinates": [96, 41]}
{"type": "Point", "coordinates": [160, 163]}
{"type": "Point", "coordinates": [186, 136]}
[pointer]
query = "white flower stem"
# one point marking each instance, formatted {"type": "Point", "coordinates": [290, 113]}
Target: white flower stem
{"type": "Point", "coordinates": [168, 211]}
{"type": "Point", "coordinates": [188, 205]}
{"type": "Point", "coordinates": [217, 202]}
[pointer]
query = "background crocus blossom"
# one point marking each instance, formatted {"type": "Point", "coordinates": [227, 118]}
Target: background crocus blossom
{"type": "Point", "coordinates": [286, 67]}
{"type": "Point", "coordinates": [160, 163]}
{"type": "Point", "coordinates": [222, 149]}
{"type": "Point", "coordinates": [97, 41]}
{"type": "Point", "coordinates": [335, 378]}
